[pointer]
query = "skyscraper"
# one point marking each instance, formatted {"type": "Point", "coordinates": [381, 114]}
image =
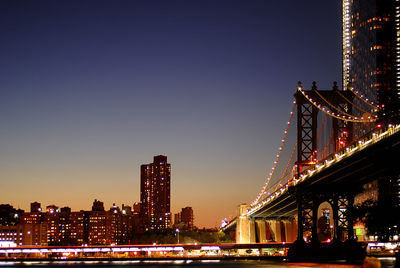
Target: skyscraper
{"type": "Point", "coordinates": [155, 194]}
{"type": "Point", "coordinates": [371, 66]}
{"type": "Point", "coordinates": [371, 55]}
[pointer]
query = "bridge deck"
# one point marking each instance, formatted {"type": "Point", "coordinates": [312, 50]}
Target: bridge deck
{"type": "Point", "coordinates": [373, 157]}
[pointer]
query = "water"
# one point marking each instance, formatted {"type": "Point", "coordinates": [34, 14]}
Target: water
{"type": "Point", "coordinates": [388, 263]}
{"type": "Point", "coordinates": [176, 264]}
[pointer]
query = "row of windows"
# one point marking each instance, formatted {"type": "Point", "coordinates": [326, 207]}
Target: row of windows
{"type": "Point", "coordinates": [9, 234]}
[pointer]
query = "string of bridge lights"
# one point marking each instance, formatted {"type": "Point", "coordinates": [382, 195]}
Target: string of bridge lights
{"type": "Point", "coordinates": [330, 104]}
{"type": "Point", "coordinates": [287, 166]}
{"type": "Point", "coordinates": [292, 154]}
{"type": "Point", "coordinates": [263, 191]}
{"type": "Point", "coordinates": [337, 116]}
{"type": "Point", "coordinates": [361, 97]}
{"type": "Point", "coordinates": [351, 103]}
{"type": "Point", "coordinates": [345, 117]}
{"type": "Point", "coordinates": [373, 138]}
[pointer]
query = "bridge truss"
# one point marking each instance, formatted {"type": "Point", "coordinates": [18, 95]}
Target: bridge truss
{"type": "Point", "coordinates": [318, 148]}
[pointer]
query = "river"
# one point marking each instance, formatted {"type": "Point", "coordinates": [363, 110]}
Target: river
{"type": "Point", "coordinates": [387, 263]}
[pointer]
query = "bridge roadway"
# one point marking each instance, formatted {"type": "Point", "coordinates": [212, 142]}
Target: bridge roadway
{"type": "Point", "coordinates": [372, 157]}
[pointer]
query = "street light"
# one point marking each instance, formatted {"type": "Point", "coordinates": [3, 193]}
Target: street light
{"type": "Point", "coordinates": [177, 234]}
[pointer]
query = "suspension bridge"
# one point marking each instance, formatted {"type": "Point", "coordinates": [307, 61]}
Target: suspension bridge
{"type": "Point", "coordinates": [339, 145]}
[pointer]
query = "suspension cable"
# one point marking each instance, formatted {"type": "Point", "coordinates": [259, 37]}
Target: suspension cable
{"type": "Point", "coordinates": [277, 156]}
{"type": "Point", "coordinates": [333, 106]}
{"type": "Point", "coordinates": [332, 114]}
{"type": "Point", "coordinates": [351, 103]}
{"type": "Point", "coordinates": [358, 95]}
{"type": "Point", "coordinates": [327, 146]}
{"type": "Point", "coordinates": [288, 164]}
{"type": "Point", "coordinates": [320, 129]}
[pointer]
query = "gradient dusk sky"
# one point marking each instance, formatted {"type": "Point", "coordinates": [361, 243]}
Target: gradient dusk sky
{"type": "Point", "coordinates": [90, 90]}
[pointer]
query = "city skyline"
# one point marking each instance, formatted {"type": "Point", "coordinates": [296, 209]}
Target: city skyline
{"type": "Point", "coordinates": [92, 91]}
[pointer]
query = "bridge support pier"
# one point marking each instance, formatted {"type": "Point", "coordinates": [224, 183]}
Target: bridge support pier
{"type": "Point", "coordinates": [245, 227]}
{"type": "Point", "coordinates": [261, 231]}
{"type": "Point", "coordinates": [290, 230]}
{"type": "Point", "coordinates": [275, 230]}
{"type": "Point", "coordinates": [343, 244]}
{"type": "Point", "coordinates": [252, 231]}
{"type": "Point", "coordinates": [350, 224]}
{"type": "Point", "coordinates": [314, 226]}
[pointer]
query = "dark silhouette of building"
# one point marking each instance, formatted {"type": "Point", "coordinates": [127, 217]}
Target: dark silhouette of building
{"type": "Point", "coordinates": [9, 215]}
{"type": "Point", "coordinates": [97, 205]}
{"type": "Point", "coordinates": [136, 207]}
{"type": "Point", "coordinates": [137, 219]}
{"type": "Point", "coordinates": [35, 207]}
{"type": "Point", "coordinates": [155, 194]}
{"type": "Point", "coordinates": [184, 220]}
{"type": "Point", "coordinates": [66, 209]}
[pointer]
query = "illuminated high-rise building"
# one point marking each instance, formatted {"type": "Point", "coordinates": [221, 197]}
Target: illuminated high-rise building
{"type": "Point", "coordinates": [371, 55]}
{"type": "Point", "coordinates": [371, 66]}
{"type": "Point", "coordinates": [51, 218]}
{"type": "Point", "coordinates": [155, 194]}
{"type": "Point", "coordinates": [71, 225]}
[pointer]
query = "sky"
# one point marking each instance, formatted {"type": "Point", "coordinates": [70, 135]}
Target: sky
{"type": "Point", "coordinates": [90, 90]}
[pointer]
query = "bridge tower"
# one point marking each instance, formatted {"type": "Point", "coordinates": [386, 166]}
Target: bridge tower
{"type": "Point", "coordinates": [307, 122]}
{"type": "Point", "coordinates": [308, 201]}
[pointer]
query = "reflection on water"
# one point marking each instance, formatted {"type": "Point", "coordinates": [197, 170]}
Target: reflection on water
{"type": "Point", "coordinates": [172, 263]}
{"type": "Point", "coordinates": [388, 262]}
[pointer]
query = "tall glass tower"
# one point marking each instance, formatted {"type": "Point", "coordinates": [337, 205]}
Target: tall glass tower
{"type": "Point", "coordinates": [371, 53]}
{"type": "Point", "coordinates": [371, 66]}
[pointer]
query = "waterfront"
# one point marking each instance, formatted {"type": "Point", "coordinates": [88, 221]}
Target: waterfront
{"type": "Point", "coordinates": [386, 262]}
{"type": "Point", "coordinates": [86, 123]}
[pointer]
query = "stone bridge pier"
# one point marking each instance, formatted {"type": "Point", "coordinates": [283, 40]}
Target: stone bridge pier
{"type": "Point", "coordinates": [259, 230]}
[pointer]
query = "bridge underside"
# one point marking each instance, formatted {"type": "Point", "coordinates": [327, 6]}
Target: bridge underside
{"type": "Point", "coordinates": [329, 188]}
{"type": "Point", "coordinates": [282, 208]}
{"type": "Point", "coordinates": [375, 162]}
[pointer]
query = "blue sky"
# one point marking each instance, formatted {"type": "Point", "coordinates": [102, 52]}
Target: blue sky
{"type": "Point", "coordinates": [90, 90]}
